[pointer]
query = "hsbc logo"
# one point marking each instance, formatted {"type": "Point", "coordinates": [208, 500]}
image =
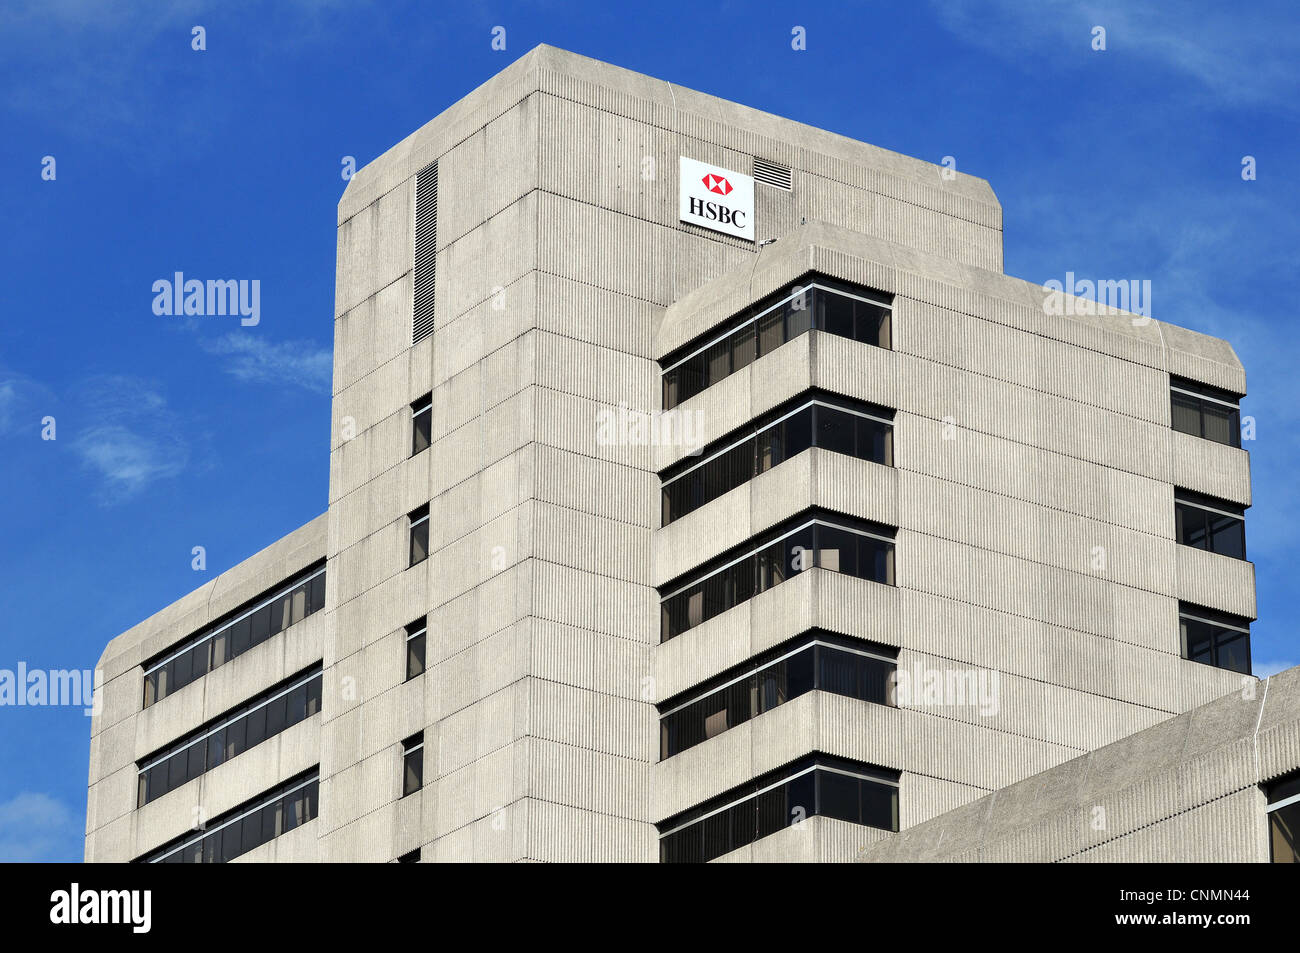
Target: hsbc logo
{"type": "Point", "coordinates": [715, 198]}
{"type": "Point", "coordinates": [716, 183]}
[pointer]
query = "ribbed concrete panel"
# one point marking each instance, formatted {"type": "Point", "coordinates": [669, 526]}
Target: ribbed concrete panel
{"type": "Point", "coordinates": [499, 837]}
{"type": "Point", "coordinates": [1219, 582]}
{"type": "Point", "coordinates": [597, 487]}
{"type": "Point", "coordinates": [375, 247]}
{"type": "Point", "coordinates": [488, 666]}
{"type": "Point", "coordinates": [482, 174]}
{"type": "Point", "coordinates": [592, 544]}
{"type": "Point", "coordinates": [586, 719]}
{"type": "Point", "coordinates": [1208, 467]}
{"type": "Point", "coordinates": [461, 341]}
{"type": "Point", "coordinates": [589, 780]}
{"type": "Point", "coordinates": [480, 789]}
{"type": "Point", "coordinates": [560, 834]}
{"type": "Point", "coordinates": [845, 206]}
{"type": "Point", "coordinates": [921, 797]}
{"type": "Point", "coordinates": [1184, 788]}
{"type": "Point", "coordinates": [612, 321]}
{"type": "Point", "coordinates": [1223, 831]}
{"type": "Point", "coordinates": [371, 334]}
{"type": "Point", "coordinates": [491, 256]}
{"type": "Point", "coordinates": [590, 602]}
{"type": "Point", "coordinates": [625, 166]}
{"type": "Point", "coordinates": [493, 723]}
{"type": "Point", "coordinates": [598, 661]}
{"type": "Point", "coordinates": [612, 251]}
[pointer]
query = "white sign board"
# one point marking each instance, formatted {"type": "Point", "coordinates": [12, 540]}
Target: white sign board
{"type": "Point", "coordinates": [715, 198]}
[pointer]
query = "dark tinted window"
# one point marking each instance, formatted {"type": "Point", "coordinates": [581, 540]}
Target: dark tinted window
{"type": "Point", "coordinates": [419, 520]}
{"type": "Point", "coordinates": [227, 736]}
{"type": "Point", "coordinates": [819, 785]}
{"type": "Point", "coordinates": [245, 828]}
{"type": "Point", "coordinates": [1205, 411]}
{"type": "Point", "coordinates": [1205, 522]}
{"type": "Point", "coordinates": [830, 306]}
{"type": "Point", "coordinates": [226, 640]}
{"type": "Point", "coordinates": [1215, 638]}
{"type": "Point", "coordinates": [421, 423]}
{"type": "Point", "coordinates": [736, 696]}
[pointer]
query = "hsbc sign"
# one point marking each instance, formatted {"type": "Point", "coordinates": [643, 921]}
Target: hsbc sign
{"type": "Point", "coordinates": [715, 198]}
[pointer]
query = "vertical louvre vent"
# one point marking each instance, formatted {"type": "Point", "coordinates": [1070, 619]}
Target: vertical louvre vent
{"type": "Point", "coordinates": [770, 173]}
{"type": "Point", "coordinates": [426, 248]}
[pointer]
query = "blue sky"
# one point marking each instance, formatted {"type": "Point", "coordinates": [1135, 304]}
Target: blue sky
{"type": "Point", "coordinates": [175, 433]}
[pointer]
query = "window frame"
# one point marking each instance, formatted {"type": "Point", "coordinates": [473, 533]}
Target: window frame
{"type": "Point", "coordinates": [413, 747]}
{"type": "Point", "coordinates": [417, 630]}
{"type": "Point", "coordinates": [421, 408]}
{"type": "Point", "coordinates": [1221, 622]}
{"type": "Point", "coordinates": [418, 520]}
{"type": "Point", "coordinates": [1205, 504]}
{"type": "Point", "coordinates": [1191, 391]}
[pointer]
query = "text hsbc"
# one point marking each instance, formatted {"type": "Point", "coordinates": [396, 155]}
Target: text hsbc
{"type": "Point", "coordinates": [716, 212]}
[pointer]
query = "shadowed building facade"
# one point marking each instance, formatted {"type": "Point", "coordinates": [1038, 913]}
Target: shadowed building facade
{"type": "Point", "coordinates": [651, 538]}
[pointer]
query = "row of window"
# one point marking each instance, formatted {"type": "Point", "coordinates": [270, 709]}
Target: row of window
{"type": "Point", "coordinates": [247, 827]}
{"type": "Point", "coordinates": [814, 302]}
{"type": "Point", "coordinates": [819, 785]}
{"type": "Point", "coordinates": [832, 423]}
{"type": "Point", "coordinates": [232, 734]}
{"type": "Point", "coordinates": [1214, 638]}
{"type": "Point", "coordinates": [838, 543]}
{"type": "Point", "coordinates": [1205, 522]}
{"type": "Point", "coordinates": [268, 616]}
{"type": "Point", "coordinates": [1204, 411]}
{"type": "Point", "coordinates": [816, 661]}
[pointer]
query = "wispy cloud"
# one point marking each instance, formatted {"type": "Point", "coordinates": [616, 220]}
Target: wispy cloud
{"type": "Point", "coordinates": [1225, 55]}
{"type": "Point", "coordinates": [22, 402]}
{"type": "Point", "coordinates": [36, 827]}
{"type": "Point", "coordinates": [132, 438]}
{"type": "Point", "coordinates": [254, 358]}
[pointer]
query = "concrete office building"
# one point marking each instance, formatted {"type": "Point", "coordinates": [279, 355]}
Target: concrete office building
{"type": "Point", "coordinates": [700, 488]}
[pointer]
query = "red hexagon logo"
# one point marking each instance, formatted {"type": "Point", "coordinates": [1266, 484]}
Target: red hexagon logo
{"type": "Point", "coordinates": [716, 183]}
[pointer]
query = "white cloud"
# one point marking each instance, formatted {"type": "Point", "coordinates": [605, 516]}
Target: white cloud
{"type": "Point", "coordinates": [254, 358]}
{"type": "Point", "coordinates": [132, 439]}
{"type": "Point", "coordinates": [36, 827]}
{"type": "Point", "coordinates": [1229, 57]}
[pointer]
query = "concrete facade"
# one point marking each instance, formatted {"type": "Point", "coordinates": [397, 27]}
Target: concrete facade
{"type": "Point", "coordinates": [1023, 441]}
{"type": "Point", "coordinates": [1186, 789]}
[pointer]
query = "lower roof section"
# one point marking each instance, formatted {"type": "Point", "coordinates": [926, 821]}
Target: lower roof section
{"type": "Point", "coordinates": [1186, 789]}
